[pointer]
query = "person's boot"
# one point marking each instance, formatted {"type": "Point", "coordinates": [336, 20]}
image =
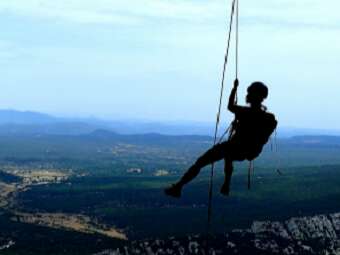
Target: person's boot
{"type": "Point", "coordinates": [175, 190]}
{"type": "Point", "coordinates": [225, 189]}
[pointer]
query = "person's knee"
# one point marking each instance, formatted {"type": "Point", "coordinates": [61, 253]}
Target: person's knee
{"type": "Point", "coordinates": [210, 156]}
{"type": "Point", "coordinates": [202, 161]}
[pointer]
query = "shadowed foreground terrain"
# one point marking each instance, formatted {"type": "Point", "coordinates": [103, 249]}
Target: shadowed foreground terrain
{"type": "Point", "coordinates": [307, 235]}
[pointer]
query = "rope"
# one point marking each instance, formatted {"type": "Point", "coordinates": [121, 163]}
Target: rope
{"type": "Point", "coordinates": [278, 159]}
{"type": "Point", "coordinates": [234, 4]}
{"type": "Point", "coordinates": [237, 39]}
{"type": "Point", "coordinates": [250, 170]}
{"type": "Point", "coordinates": [236, 45]}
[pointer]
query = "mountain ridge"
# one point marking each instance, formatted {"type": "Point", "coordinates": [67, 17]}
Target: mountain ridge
{"type": "Point", "coordinates": [17, 122]}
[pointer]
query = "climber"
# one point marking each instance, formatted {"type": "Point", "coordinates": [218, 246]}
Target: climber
{"type": "Point", "coordinates": [250, 131]}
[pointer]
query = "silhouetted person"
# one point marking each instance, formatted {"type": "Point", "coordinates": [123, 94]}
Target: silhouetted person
{"type": "Point", "coordinates": [250, 131]}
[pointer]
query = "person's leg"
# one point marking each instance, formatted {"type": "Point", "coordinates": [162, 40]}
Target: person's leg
{"type": "Point", "coordinates": [228, 171]}
{"type": "Point", "coordinates": [214, 154]}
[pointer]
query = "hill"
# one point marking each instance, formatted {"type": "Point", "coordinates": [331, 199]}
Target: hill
{"type": "Point", "coordinates": [25, 117]}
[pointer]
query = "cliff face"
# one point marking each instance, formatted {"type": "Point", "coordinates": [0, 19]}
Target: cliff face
{"type": "Point", "coordinates": [307, 235]}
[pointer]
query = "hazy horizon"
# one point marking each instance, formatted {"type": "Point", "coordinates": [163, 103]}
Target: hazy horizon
{"type": "Point", "coordinates": [161, 61]}
{"type": "Point", "coordinates": [160, 126]}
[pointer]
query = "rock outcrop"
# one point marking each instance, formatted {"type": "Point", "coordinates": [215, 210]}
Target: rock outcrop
{"type": "Point", "coordinates": [306, 236]}
{"type": "Point", "coordinates": [5, 243]}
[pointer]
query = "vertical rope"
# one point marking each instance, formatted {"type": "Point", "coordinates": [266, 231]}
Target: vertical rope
{"type": "Point", "coordinates": [278, 159]}
{"type": "Point", "coordinates": [237, 38]}
{"type": "Point", "coordinates": [219, 114]}
{"type": "Point", "coordinates": [236, 45]}
{"type": "Point", "coordinates": [250, 171]}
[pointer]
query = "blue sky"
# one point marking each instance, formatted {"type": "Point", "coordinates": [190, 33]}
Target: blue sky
{"type": "Point", "coordinates": [162, 60]}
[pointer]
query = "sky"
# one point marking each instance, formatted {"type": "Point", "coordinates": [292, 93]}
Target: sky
{"type": "Point", "coordinates": [162, 60]}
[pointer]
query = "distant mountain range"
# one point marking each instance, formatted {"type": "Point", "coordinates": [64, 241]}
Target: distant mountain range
{"type": "Point", "coordinates": [27, 117]}
{"type": "Point", "coordinates": [14, 122]}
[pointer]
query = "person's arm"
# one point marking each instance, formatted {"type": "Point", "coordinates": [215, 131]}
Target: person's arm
{"type": "Point", "coordinates": [231, 105]}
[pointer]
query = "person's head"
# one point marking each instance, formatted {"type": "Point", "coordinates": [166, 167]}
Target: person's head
{"type": "Point", "coordinates": [257, 92]}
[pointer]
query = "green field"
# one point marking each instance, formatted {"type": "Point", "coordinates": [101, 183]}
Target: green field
{"type": "Point", "coordinates": [135, 203]}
